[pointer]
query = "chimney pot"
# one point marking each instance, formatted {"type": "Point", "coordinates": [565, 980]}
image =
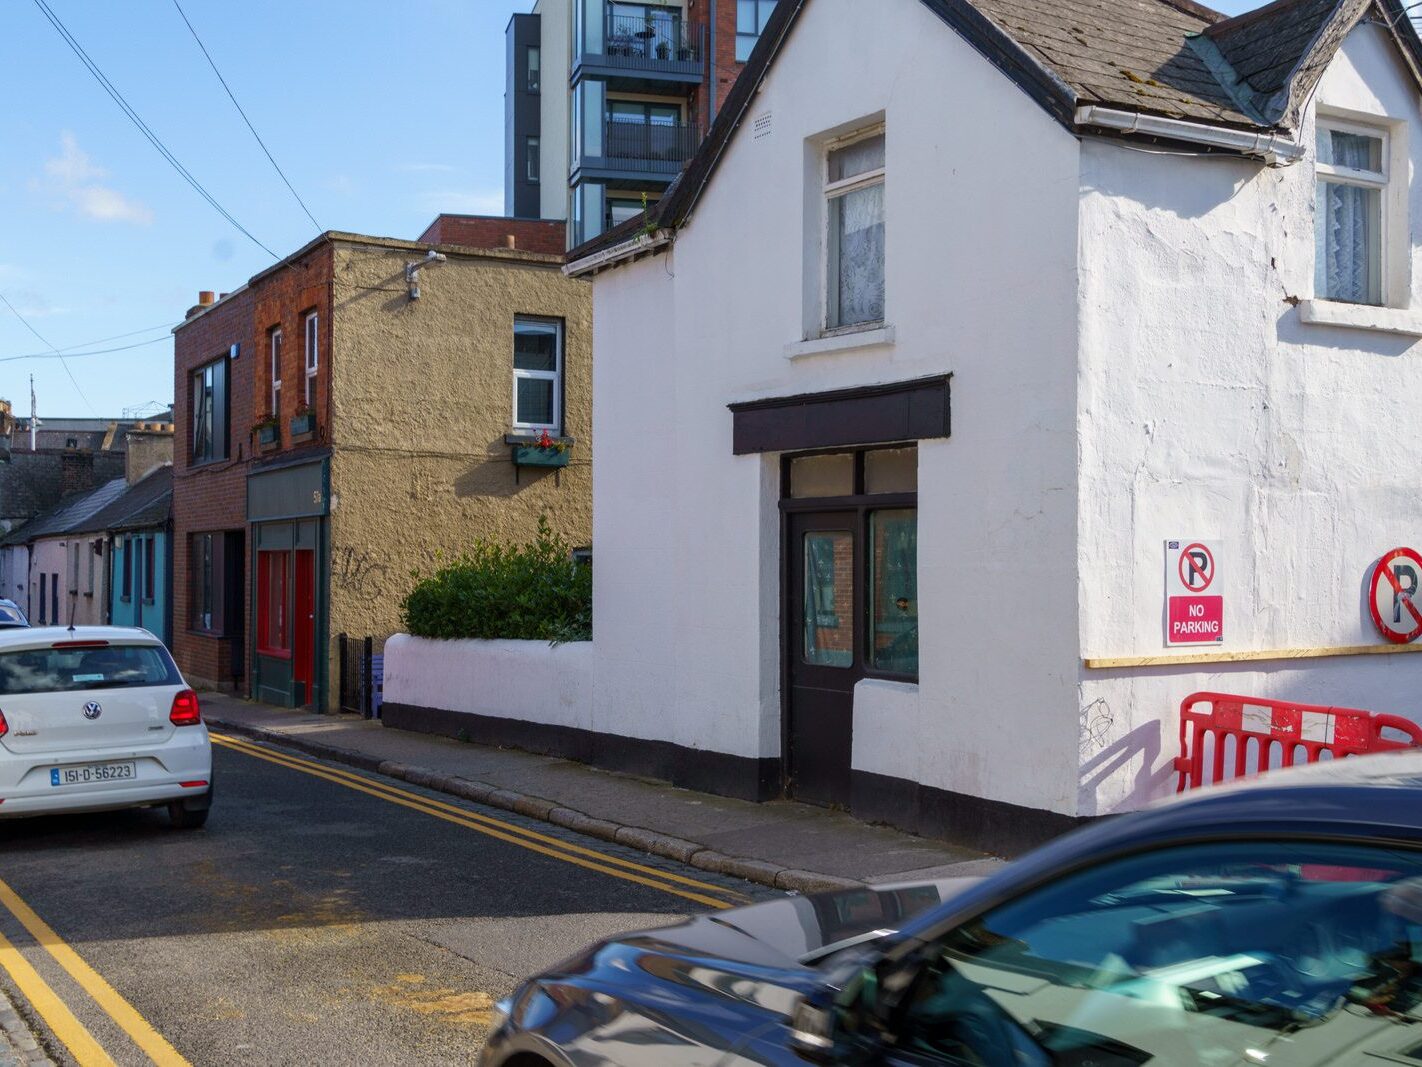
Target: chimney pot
{"type": "Point", "coordinates": [223, 296]}
{"type": "Point", "coordinates": [206, 297]}
{"type": "Point", "coordinates": [510, 241]}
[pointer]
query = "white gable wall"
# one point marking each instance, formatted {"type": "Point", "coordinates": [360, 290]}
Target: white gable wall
{"type": "Point", "coordinates": [1208, 410]}
{"type": "Point", "coordinates": [981, 241]}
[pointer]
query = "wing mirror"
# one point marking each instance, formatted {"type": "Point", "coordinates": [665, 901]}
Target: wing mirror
{"type": "Point", "coordinates": [834, 1015]}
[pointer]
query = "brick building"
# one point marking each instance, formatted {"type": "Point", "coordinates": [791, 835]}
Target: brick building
{"type": "Point", "coordinates": [352, 411]}
{"type": "Point", "coordinates": [213, 361]}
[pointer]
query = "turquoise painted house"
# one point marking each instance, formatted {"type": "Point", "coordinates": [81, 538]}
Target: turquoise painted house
{"type": "Point", "coordinates": [140, 554]}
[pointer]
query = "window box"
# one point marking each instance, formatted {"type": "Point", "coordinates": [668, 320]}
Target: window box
{"type": "Point", "coordinates": [536, 455]}
{"type": "Point", "coordinates": [268, 434]}
{"type": "Point", "coordinates": [303, 423]}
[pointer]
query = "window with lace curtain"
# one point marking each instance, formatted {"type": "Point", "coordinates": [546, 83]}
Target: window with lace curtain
{"type": "Point", "coordinates": [854, 239]}
{"type": "Point", "coordinates": [1352, 180]}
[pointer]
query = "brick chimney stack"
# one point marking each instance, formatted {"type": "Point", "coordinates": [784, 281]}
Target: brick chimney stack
{"type": "Point", "coordinates": [76, 471]}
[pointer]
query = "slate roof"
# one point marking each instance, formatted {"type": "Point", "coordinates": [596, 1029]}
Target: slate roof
{"type": "Point", "coordinates": [147, 502]}
{"type": "Point", "coordinates": [1170, 58]}
{"type": "Point", "coordinates": [69, 514]}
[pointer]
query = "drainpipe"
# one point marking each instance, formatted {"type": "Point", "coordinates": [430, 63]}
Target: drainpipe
{"type": "Point", "coordinates": [710, 71]}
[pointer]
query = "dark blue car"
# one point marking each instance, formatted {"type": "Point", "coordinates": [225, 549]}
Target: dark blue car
{"type": "Point", "coordinates": [1277, 922]}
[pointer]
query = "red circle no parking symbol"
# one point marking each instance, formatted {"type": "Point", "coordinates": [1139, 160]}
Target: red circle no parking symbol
{"type": "Point", "coordinates": [1391, 596]}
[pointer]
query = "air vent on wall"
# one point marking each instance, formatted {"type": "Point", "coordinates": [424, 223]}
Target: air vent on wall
{"type": "Point", "coordinates": [761, 125]}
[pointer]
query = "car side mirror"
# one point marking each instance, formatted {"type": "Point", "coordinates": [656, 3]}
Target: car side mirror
{"type": "Point", "coordinates": [834, 1015]}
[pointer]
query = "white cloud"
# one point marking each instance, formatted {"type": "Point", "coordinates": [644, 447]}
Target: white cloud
{"type": "Point", "coordinates": [77, 179]}
{"type": "Point", "coordinates": [464, 201]}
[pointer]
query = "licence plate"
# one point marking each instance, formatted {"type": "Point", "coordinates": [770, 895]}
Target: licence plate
{"type": "Point", "coordinates": [92, 773]}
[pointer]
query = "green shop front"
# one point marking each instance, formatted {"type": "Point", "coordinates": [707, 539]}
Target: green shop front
{"type": "Point", "coordinates": [288, 502]}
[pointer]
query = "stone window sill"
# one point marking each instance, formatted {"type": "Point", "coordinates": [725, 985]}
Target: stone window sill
{"type": "Point", "coordinates": [847, 341]}
{"type": "Point", "coordinates": [1361, 317]}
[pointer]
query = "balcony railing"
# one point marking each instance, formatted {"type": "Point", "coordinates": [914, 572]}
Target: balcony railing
{"type": "Point", "coordinates": [636, 46]}
{"type": "Point", "coordinates": [651, 148]}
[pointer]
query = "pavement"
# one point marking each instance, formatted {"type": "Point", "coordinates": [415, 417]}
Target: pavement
{"type": "Point", "coordinates": [781, 844]}
{"type": "Point", "coordinates": [18, 1046]}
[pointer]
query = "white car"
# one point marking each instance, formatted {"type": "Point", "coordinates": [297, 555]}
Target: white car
{"type": "Point", "coordinates": [94, 718]}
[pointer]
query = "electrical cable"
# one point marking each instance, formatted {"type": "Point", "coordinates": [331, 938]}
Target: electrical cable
{"type": "Point", "coordinates": [143, 128]}
{"type": "Point", "coordinates": [245, 119]}
{"type": "Point", "coordinates": [78, 355]}
{"type": "Point", "coordinates": [62, 362]}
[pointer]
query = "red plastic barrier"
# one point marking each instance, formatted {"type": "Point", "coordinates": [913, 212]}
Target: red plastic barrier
{"type": "Point", "coordinates": [1267, 733]}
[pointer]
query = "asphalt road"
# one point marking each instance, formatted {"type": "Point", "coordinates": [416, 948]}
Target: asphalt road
{"type": "Point", "coordinates": [323, 916]}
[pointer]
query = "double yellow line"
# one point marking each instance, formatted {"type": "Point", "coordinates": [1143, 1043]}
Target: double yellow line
{"type": "Point", "coordinates": [544, 844]}
{"type": "Point", "coordinates": [56, 1014]}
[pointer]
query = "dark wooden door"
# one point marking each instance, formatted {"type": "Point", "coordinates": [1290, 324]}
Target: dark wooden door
{"type": "Point", "coordinates": [822, 611]}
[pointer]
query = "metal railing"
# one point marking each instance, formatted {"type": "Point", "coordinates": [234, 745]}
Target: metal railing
{"type": "Point", "coordinates": [662, 146]}
{"type": "Point", "coordinates": [658, 35]}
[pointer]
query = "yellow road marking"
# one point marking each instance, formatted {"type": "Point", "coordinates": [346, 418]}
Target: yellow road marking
{"type": "Point", "coordinates": [466, 819]}
{"type": "Point", "coordinates": [555, 842]}
{"type": "Point", "coordinates": [106, 996]}
{"type": "Point", "coordinates": [52, 1010]}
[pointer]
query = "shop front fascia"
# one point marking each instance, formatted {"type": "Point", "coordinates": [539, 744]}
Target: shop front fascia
{"type": "Point", "coordinates": [288, 502]}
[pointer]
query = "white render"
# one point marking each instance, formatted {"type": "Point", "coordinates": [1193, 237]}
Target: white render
{"type": "Point", "coordinates": [1129, 363]}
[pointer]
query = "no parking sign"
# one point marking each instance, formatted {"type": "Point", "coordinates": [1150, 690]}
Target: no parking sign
{"type": "Point", "coordinates": [1391, 593]}
{"type": "Point", "coordinates": [1194, 605]}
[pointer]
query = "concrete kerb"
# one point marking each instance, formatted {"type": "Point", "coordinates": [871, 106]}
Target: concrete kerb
{"type": "Point", "coordinates": [695, 855]}
{"type": "Point", "coordinates": [18, 1043]}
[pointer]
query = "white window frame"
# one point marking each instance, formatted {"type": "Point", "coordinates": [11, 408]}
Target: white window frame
{"type": "Point", "coordinates": [274, 358]}
{"type": "Point", "coordinates": [1366, 179]}
{"type": "Point", "coordinates": [89, 582]}
{"type": "Point", "coordinates": [829, 267]}
{"type": "Point", "coordinates": [555, 376]}
{"type": "Point", "coordinates": [74, 566]}
{"type": "Point", "coordinates": [311, 330]}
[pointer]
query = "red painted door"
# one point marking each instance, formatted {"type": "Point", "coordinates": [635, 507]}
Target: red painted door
{"type": "Point", "coordinates": [304, 622]}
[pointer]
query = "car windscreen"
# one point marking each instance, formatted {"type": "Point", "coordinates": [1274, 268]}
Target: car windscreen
{"type": "Point", "coordinates": [70, 668]}
{"type": "Point", "coordinates": [10, 616]}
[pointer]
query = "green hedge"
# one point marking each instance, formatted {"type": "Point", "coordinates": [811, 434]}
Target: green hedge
{"type": "Point", "coordinates": [531, 592]}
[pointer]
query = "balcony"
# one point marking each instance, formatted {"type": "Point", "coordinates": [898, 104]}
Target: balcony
{"type": "Point", "coordinates": [633, 53]}
{"type": "Point", "coordinates": [638, 152]}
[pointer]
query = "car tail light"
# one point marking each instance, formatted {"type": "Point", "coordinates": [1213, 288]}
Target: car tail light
{"type": "Point", "coordinates": [186, 711]}
{"type": "Point", "coordinates": [4, 726]}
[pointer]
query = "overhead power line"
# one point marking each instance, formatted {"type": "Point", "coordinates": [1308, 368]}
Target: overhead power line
{"type": "Point", "coordinates": [208, 56]}
{"type": "Point", "coordinates": [62, 361]}
{"type": "Point", "coordinates": [143, 128]}
{"type": "Point", "coordinates": [80, 355]}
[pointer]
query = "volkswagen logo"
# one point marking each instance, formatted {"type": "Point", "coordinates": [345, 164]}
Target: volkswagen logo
{"type": "Point", "coordinates": [93, 710]}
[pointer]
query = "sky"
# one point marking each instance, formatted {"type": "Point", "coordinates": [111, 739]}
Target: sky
{"type": "Point", "coordinates": [380, 114]}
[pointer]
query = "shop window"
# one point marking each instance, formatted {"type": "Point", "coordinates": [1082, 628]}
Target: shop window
{"type": "Point", "coordinates": [273, 621]}
{"type": "Point", "coordinates": [893, 591]}
{"type": "Point", "coordinates": [204, 568]}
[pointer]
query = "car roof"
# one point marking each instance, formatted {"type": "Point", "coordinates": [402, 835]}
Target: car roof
{"type": "Point", "coordinates": [45, 636]}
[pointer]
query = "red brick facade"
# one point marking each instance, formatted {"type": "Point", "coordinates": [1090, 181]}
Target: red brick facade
{"type": "Point", "coordinates": [491, 231]}
{"type": "Point", "coordinates": [722, 64]}
{"type": "Point", "coordinates": [210, 497]}
{"type": "Point", "coordinates": [282, 300]}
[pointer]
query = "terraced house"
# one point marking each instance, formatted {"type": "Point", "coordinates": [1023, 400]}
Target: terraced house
{"type": "Point", "coordinates": [356, 410]}
{"type": "Point", "coordinates": [1025, 293]}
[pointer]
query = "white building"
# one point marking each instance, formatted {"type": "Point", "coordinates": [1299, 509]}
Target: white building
{"type": "Point", "coordinates": [1165, 264]}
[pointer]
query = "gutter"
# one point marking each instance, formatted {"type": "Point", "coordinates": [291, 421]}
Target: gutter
{"type": "Point", "coordinates": [1274, 148]}
{"type": "Point", "coordinates": [636, 246]}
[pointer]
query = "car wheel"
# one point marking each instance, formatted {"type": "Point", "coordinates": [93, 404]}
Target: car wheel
{"type": "Point", "coordinates": [190, 814]}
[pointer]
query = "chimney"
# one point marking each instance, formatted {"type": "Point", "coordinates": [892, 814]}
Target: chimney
{"type": "Point", "coordinates": [147, 449]}
{"type": "Point", "coordinates": [76, 471]}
